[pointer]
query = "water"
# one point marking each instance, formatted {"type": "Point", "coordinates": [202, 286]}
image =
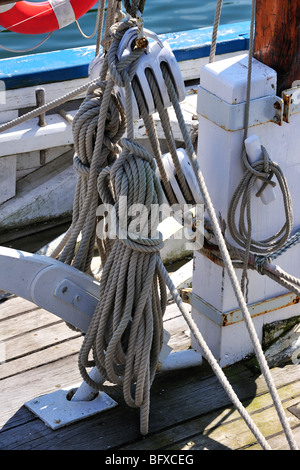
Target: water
{"type": "Point", "coordinates": [159, 16]}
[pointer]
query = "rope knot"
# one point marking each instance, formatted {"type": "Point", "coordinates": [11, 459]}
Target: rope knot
{"type": "Point", "coordinates": [259, 263]}
{"type": "Point", "coordinates": [134, 6]}
{"type": "Point", "coordinates": [133, 188]}
{"type": "Point", "coordinates": [85, 129]}
{"type": "Point", "coordinates": [122, 68]}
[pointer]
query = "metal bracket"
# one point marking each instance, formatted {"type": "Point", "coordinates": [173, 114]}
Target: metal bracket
{"type": "Point", "coordinates": [291, 99]}
{"type": "Point", "coordinates": [231, 117]}
{"type": "Point", "coordinates": [235, 316]}
{"type": "Point", "coordinates": [57, 409]}
{"type": "Point", "coordinates": [74, 295]}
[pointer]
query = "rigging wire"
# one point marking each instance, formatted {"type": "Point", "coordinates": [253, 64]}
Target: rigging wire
{"type": "Point", "coordinates": [16, 51]}
{"type": "Point", "coordinates": [99, 8]}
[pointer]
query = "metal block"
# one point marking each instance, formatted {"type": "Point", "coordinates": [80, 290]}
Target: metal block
{"type": "Point", "coordinates": [57, 409]}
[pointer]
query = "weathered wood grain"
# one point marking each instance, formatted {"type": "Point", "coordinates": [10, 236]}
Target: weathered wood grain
{"type": "Point", "coordinates": [277, 39]}
{"type": "Point", "coordinates": [187, 406]}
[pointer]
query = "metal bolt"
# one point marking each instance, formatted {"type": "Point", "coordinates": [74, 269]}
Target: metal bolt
{"type": "Point", "coordinates": [277, 105]}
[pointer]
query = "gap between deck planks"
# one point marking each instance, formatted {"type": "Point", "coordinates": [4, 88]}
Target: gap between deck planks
{"type": "Point", "coordinates": [189, 409]}
{"type": "Point", "coordinates": [36, 341]}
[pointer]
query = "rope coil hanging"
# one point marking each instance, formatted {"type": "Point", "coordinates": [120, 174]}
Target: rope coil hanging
{"type": "Point", "coordinates": [242, 194]}
{"type": "Point", "coordinates": [125, 335]}
{"type": "Point", "coordinates": [126, 330]}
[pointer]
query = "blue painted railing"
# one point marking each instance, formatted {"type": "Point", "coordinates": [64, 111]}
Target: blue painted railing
{"type": "Point", "coordinates": [69, 64]}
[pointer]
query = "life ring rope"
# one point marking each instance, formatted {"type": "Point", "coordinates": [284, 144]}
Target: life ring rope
{"type": "Point", "coordinates": [42, 17]}
{"type": "Point", "coordinates": [10, 28]}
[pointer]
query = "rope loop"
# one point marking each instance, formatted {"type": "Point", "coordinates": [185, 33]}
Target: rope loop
{"type": "Point", "coordinates": [81, 169]}
{"type": "Point", "coordinates": [261, 169]}
{"type": "Point", "coordinates": [122, 69]}
{"type": "Point", "coordinates": [134, 6]}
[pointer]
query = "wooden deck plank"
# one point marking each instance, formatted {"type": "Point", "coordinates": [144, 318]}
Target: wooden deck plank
{"type": "Point", "coordinates": [176, 398]}
{"type": "Point", "coordinates": [225, 428]}
{"type": "Point", "coordinates": [110, 429]}
{"type": "Point", "coordinates": [39, 338]}
{"type": "Point", "coordinates": [39, 358]}
{"type": "Point", "coordinates": [15, 306]}
{"type": "Point", "coordinates": [277, 443]}
{"type": "Point", "coordinates": [169, 391]}
{"type": "Point", "coordinates": [36, 339]}
{"type": "Point", "coordinates": [31, 321]}
{"type": "Point", "coordinates": [186, 406]}
{"type": "Point", "coordinates": [236, 434]}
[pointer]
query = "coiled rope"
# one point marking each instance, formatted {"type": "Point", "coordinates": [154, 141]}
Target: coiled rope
{"type": "Point", "coordinates": [132, 287]}
{"type": "Point", "coordinates": [242, 234]}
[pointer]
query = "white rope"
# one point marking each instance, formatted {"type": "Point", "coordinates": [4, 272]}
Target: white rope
{"type": "Point", "coordinates": [17, 51]}
{"type": "Point", "coordinates": [97, 23]}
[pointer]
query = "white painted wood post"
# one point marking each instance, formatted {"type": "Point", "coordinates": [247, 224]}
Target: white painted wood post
{"type": "Point", "coordinates": [221, 111]}
{"type": "Point", "coordinates": [8, 168]}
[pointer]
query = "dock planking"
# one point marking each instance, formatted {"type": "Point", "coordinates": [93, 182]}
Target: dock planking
{"type": "Point", "coordinates": [189, 409]}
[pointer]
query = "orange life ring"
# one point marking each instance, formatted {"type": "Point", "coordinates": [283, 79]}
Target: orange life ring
{"type": "Point", "coordinates": [42, 17]}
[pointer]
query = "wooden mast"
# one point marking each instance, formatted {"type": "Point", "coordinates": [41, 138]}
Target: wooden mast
{"type": "Point", "coordinates": [277, 39]}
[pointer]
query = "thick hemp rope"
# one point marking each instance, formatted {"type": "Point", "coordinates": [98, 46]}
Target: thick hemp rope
{"type": "Point", "coordinates": [126, 331]}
